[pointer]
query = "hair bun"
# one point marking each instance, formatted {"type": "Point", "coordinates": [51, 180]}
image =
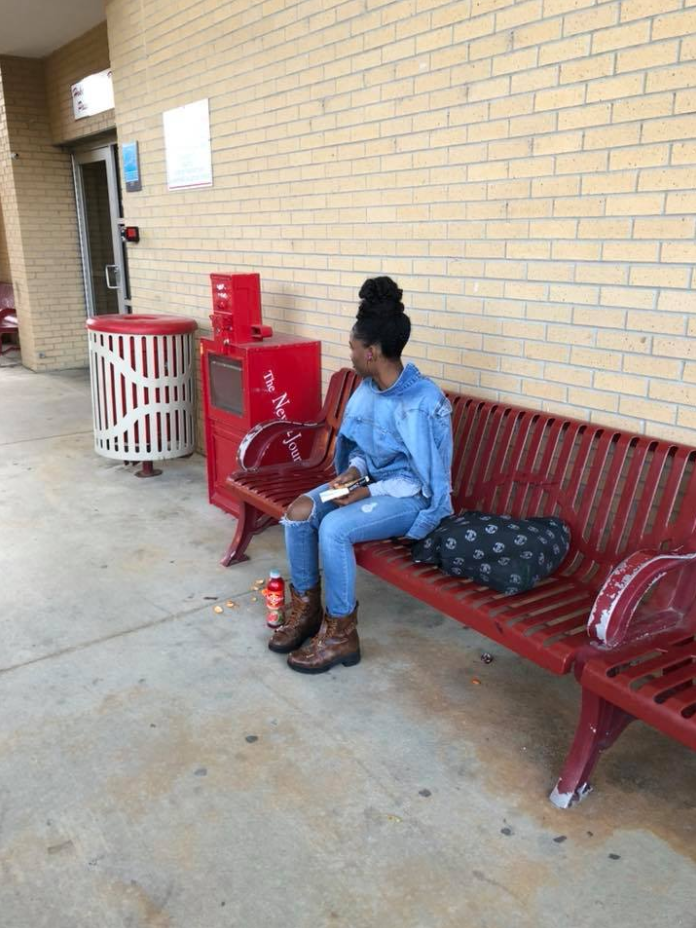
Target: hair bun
{"type": "Point", "coordinates": [381, 293]}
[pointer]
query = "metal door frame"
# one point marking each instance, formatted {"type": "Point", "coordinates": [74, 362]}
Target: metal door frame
{"type": "Point", "coordinates": [107, 154]}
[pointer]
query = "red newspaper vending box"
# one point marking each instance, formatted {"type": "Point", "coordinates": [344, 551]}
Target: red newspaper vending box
{"type": "Point", "coordinates": [249, 376]}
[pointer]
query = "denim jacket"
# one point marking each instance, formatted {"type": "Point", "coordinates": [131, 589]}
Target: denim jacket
{"type": "Point", "coordinates": [402, 432]}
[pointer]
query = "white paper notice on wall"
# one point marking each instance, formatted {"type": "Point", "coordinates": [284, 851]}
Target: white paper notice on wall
{"type": "Point", "coordinates": [187, 146]}
{"type": "Point", "coordinates": [93, 94]}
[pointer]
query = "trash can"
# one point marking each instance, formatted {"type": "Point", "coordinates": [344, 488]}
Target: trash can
{"type": "Point", "coordinates": [143, 379]}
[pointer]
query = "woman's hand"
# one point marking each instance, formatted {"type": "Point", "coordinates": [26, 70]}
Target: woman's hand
{"type": "Point", "coordinates": [348, 476]}
{"type": "Point", "coordinates": [353, 496]}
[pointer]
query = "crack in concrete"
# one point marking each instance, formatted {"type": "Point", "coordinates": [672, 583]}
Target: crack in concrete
{"type": "Point", "coordinates": [83, 646]}
{"type": "Point", "coordinates": [25, 441]}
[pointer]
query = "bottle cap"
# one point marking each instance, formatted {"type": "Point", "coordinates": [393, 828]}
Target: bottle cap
{"type": "Point", "coordinates": [274, 574]}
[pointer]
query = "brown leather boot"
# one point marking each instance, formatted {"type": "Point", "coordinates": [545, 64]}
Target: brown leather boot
{"type": "Point", "coordinates": [302, 621]}
{"type": "Point", "coordinates": [337, 642]}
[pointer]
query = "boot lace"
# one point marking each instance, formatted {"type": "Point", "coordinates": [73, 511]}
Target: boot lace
{"type": "Point", "coordinates": [298, 608]}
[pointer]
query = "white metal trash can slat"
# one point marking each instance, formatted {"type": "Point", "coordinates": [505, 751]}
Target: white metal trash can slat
{"type": "Point", "coordinates": [142, 375]}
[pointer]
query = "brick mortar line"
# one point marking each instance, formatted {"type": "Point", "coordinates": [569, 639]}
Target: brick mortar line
{"type": "Point", "coordinates": [542, 282]}
{"type": "Point", "coordinates": [310, 182]}
{"type": "Point", "coordinates": [271, 94]}
{"type": "Point", "coordinates": [428, 109]}
{"type": "Point", "coordinates": [185, 43]}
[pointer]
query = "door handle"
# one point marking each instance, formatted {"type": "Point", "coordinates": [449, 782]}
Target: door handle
{"type": "Point", "coordinates": [107, 274]}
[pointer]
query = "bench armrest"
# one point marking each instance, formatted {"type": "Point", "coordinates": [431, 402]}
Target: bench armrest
{"type": "Point", "coordinates": [617, 604]}
{"type": "Point", "coordinates": [258, 440]}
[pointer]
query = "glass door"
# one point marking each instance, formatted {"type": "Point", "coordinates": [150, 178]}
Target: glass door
{"type": "Point", "coordinates": [98, 193]}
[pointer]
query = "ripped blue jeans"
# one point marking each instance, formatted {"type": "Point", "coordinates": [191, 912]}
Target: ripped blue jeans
{"type": "Point", "coordinates": [332, 531]}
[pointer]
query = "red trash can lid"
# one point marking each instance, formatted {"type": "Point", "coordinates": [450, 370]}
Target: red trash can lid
{"type": "Point", "coordinates": [142, 324]}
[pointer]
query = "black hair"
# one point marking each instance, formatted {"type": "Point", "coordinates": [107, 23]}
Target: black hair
{"type": "Point", "coordinates": [381, 319]}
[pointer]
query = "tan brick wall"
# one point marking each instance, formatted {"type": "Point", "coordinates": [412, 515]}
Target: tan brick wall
{"type": "Point", "coordinates": [10, 212]}
{"type": "Point", "coordinates": [37, 194]}
{"type": "Point", "coordinates": [5, 272]}
{"type": "Point", "coordinates": [524, 169]}
{"type": "Point", "coordinates": [88, 54]}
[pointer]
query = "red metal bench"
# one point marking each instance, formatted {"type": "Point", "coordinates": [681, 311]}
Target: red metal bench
{"type": "Point", "coordinates": [606, 610]}
{"type": "Point", "coordinates": [8, 318]}
{"type": "Point", "coordinates": [641, 662]}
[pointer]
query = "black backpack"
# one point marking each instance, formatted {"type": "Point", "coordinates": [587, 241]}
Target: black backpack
{"type": "Point", "coordinates": [509, 555]}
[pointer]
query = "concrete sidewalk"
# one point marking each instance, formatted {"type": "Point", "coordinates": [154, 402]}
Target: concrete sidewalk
{"type": "Point", "coordinates": [160, 768]}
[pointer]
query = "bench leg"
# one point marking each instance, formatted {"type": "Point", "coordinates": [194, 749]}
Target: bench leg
{"type": "Point", "coordinates": [600, 725]}
{"type": "Point", "coordinates": [246, 529]}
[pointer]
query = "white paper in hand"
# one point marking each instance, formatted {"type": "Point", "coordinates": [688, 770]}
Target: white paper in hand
{"type": "Point", "coordinates": [327, 495]}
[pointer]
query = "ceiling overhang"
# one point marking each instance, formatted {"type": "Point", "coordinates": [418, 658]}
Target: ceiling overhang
{"type": "Point", "coordinates": [35, 28]}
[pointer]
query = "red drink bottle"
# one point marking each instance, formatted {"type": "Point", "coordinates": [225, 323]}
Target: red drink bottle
{"type": "Point", "coordinates": [275, 599]}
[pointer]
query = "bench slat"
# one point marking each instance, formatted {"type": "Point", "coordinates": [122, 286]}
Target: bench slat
{"type": "Point", "coordinates": [273, 492]}
{"type": "Point", "coordinates": [614, 677]}
{"type": "Point", "coordinates": [672, 676]}
{"type": "Point", "coordinates": [644, 667]}
{"type": "Point", "coordinates": [477, 607]}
